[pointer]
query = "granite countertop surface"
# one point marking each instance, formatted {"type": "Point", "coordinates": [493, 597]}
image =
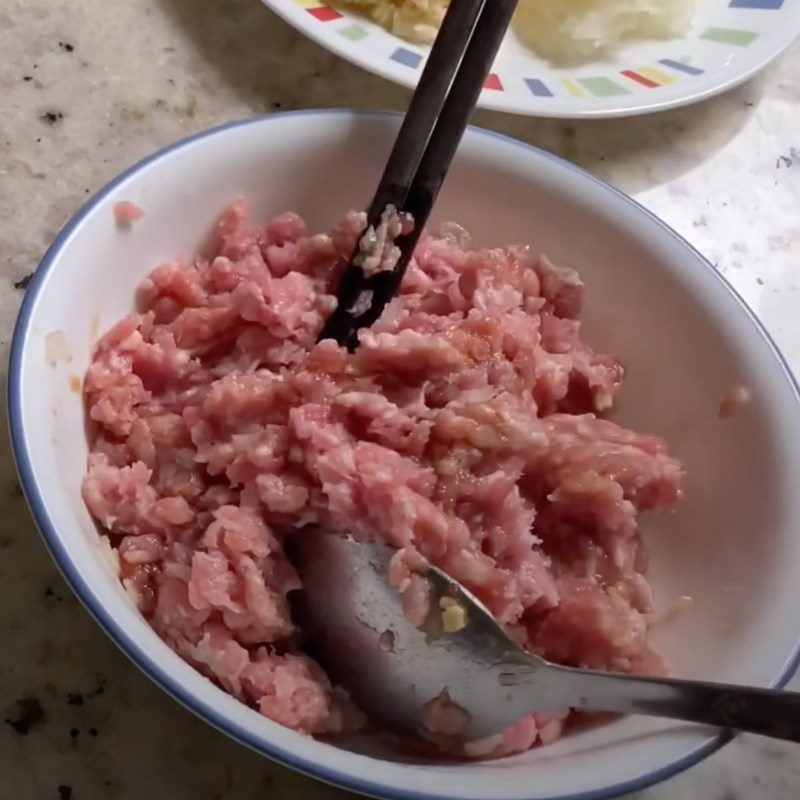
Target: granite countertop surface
{"type": "Point", "coordinates": [87, 88]}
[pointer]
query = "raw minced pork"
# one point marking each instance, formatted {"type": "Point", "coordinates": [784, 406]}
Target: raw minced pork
{"type": "Point", "coordinates": [126, 213]}
{"type": "Point", "coordinates": [464, 430]}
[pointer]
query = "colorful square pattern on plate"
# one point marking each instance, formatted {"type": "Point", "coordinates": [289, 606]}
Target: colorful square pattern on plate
{"type": "Point", "coordinates": [730, 40]}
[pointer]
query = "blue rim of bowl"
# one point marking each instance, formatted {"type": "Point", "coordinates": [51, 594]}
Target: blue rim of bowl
{"type": "Point", "coordinates": [48, 528]}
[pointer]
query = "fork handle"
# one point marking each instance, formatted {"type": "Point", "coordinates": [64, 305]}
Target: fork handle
{"type": "Point", "coordinates": [767, 712]}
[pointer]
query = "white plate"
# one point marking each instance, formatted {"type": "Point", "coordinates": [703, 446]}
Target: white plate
{"type": "Point", "coordinates": [729, 42]}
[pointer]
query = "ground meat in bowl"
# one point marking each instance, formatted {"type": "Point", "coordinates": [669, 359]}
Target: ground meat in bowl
{"type": "Point", "coordinates": [464, 430]}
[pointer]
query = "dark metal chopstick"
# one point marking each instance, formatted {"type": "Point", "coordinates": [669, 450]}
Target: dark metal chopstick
{"type": "Point", "coordinates": [418, 124]}
{"type": "Point", "coordinates": [449, 130]}
{"type": "Point", "coordinates": [426, 105]}
{"type": "Point", "coordinates": [433, 127]}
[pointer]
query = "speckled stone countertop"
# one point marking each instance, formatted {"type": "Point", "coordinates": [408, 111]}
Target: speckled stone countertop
{"type": "Point", "coordinates": [89, 86]}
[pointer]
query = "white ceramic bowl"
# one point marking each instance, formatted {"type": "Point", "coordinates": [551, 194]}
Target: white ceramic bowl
{"type": "Point", "coordinates": [686, 337]}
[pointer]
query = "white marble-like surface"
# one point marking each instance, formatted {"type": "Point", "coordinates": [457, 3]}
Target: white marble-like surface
{"type": "Point", "coordinates": [89, 86]}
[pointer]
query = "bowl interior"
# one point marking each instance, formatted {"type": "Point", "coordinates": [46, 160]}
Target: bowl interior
{"type": "Point", "coordinates": [684, 337]}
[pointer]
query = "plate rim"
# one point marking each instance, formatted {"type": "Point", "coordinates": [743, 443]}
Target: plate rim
{"type": "Point", "coordinates": [500, 102]}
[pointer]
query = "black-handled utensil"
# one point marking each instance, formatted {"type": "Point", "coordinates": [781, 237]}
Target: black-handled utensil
{"type": "Point", "coordinates": [449, 88]}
